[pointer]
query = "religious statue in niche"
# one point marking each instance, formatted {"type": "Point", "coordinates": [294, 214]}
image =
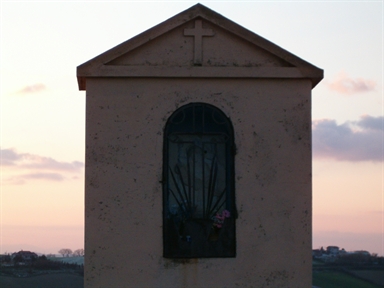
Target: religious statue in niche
{"type": "Point", "coordinates": [199, 216]}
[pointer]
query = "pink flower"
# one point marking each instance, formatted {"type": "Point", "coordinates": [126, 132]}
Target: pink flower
{"type": "Point", "coordinates": [226, 214]}
{"type": "Point", "coordinates": [220, 218]}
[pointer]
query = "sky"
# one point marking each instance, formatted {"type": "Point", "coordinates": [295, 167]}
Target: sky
{"type": "Point", "coordinates": [42, 112]}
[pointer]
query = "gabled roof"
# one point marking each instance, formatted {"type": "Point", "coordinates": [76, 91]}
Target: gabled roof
{"type": "Point", "coordinates": [135, 57]}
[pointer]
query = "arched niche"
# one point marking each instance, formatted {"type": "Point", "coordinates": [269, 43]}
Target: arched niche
{"type": "Point", "coordinates": [198, 183]}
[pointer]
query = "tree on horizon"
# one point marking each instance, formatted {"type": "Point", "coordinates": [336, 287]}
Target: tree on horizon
{"type": "Point", "coordinates": [65, 252]}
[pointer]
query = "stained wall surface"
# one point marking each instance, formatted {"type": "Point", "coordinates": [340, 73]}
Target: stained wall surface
{"type": "Point", "coordinates": [123, 206]}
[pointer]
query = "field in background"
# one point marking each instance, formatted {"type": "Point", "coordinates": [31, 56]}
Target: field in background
{"type": "Point", "coordinates": [334, 279]}
{"type": "Point", "coordinates": [374, 276]}
{"type": "Point", "coordinates": [79, 260]}
{"type": "Point", "coordinates": [323, 277]}
{"type": "Point", "coordinates": [57, 280]}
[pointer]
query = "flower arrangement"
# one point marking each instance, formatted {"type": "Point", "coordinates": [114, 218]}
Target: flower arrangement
{"type": "Point", "coordinates": [218, 219]}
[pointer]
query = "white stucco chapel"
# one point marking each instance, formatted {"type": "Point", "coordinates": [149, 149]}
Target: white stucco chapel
{"type": "Point", "coordinates": [198, 159]}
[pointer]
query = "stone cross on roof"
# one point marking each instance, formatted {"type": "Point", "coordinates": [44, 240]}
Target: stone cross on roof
{"type": "Point", "coordinates": [198, 33]}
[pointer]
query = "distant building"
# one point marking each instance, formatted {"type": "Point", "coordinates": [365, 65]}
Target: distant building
{"type": "Point", "coordinates": [334, 250]}
{"type": "Point", "coordinates": [5, 258]}
{"type": "Point", "coordinates": [317, 253]}
{"type": "Point", "coordinates": [328, 255]}
{"type": "Point", "coordinates": [361, 252]}
{"type": "Point", "coordinates": [24, 256]}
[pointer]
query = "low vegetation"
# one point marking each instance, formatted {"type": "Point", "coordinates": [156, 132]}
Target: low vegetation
{"type": "Point", "coordinates": [26, 269]}
{"type": "Point", "coordinates": [19, 267]}
{"type": "Point", "coordinates": [56, 280]}
{"type": "Point", "coordinates": [338, 279]}
{"type": "Point", "coordinates": [357, 270]}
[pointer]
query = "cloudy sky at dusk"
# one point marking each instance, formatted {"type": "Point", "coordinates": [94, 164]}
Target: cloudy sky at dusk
{"type": "Point", "coordinates": [43, 113]}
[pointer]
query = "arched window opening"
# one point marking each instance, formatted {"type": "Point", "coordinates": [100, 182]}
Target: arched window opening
{"type": "Point", "coordinates": [198, 187]}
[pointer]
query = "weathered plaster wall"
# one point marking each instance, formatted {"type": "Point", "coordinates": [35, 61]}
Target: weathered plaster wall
{"type": "Point", "coordinates": [124, 138]}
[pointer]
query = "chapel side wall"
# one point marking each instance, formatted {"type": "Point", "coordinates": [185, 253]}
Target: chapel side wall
{"type": "Point", "coordinates": [272, 125]}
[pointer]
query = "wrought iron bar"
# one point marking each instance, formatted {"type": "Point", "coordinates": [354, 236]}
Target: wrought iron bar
{"type": "Point", "coordinates": [178, 171]}
{"type": "Point", "coordinates": [189, 186]}
{"type": "Point", "coordinates": [202, 176]}
{"type": "Point", "coordinates": [212, 183]}
{"type": "Point", "coordinates": [178, 203]}
{"type": "Point", "coordinates": [214, 209]}
{"type": "Point", "coordinates": [178, 189]}
{"type": "Point", "coordinates": [194, 177]}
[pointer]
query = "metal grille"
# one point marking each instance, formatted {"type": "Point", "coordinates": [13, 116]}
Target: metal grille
{"type": "Point", "coordinates": [197, 186]}
{"type": "Point", "coordinates": [198, 168]}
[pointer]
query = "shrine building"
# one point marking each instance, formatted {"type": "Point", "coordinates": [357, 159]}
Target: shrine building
{"type": "Point", "coordinates": [198, 159]}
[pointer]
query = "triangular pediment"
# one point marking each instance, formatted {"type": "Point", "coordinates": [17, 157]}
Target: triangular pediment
{"type": "Point", "coordinates": [198, 43]}
{"type": "Point", "coordinates": [221, 49]}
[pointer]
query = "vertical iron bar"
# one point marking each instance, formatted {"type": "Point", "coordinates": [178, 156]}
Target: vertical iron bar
{"type": "Point", "coordinates": [203, 176]}
{"type": "Point", "coordinates": [203, 163]}
{"type": "Point", "coordinates": [189, 183]}
{"type": "Point", "coordinates": [211, 185]}
{"type": "Point", "coordinates": [215, 175]}
{"type": "Point", "coordinates": [194, 176]}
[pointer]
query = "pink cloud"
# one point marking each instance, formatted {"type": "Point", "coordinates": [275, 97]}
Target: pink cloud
{"type": "Point", "coordinates": [25, 167]}
{"type": "Point", "coordinates": [22, 179]}
{"type": "Point", "coordinates": [38, 87]}
{"type": "Point", "coordinates": [9, 157]}
{"type": "Point", "coordinates": [344, 84]}
{"type": "Point", "coordinates": [353, 141]}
